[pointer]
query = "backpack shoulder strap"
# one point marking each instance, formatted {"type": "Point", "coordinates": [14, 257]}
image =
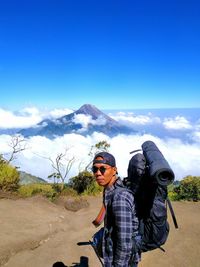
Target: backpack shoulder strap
{"type": "Point", "coordinates": [172, 212]}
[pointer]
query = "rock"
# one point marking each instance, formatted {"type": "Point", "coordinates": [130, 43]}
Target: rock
{"type": "Point", "coordinates": [75, 204]}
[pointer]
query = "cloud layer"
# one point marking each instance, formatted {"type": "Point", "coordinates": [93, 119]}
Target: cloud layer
{"type": "Point", "coordinates": [183, 158]}
{"type": "Point", "coordinates": [28, 117]}
{"type": "Point", "coordinates": [176, 136]}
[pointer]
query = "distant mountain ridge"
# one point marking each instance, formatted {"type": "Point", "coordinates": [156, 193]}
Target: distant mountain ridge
{"type": "Point", "coordinates": [27, 178]}
{"type": "Point", "coordinates": [85, 121]}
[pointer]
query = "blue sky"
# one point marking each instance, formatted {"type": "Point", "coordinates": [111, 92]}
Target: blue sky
{"type": "Point", "coordinates": [113, 54]}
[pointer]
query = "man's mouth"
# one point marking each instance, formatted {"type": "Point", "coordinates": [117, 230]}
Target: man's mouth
{"type": "Point", "coordinates": [99, 179]}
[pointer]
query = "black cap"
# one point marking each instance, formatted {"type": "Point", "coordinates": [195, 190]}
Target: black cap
{"type": "Point", "coordinates": [107, 158]}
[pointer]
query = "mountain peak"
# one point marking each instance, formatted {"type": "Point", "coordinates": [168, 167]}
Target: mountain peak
{"type": "Point", "coordinates": [97, 121]}
{"type": "Point", "coordinates": [88, 109]}
{"type": "Point", "coordinates": [91, 110]}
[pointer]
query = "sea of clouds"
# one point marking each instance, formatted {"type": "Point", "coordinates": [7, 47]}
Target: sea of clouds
{"type": "Point", "coordinates": [177, 137]}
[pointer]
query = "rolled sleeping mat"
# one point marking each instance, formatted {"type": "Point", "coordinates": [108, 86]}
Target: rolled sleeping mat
{"type": "Point", "coordinates": [159, 168]}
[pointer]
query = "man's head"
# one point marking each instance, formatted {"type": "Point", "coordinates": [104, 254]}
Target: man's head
{"type": "Point", "coordinates": [104, 168]}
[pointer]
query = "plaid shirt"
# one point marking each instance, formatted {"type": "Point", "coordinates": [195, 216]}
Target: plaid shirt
{"type": "Point", "coordinates": [120, 217]}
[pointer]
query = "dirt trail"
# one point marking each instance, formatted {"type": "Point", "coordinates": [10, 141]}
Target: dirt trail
{"type": "Point", "coordinates": [35, 232]}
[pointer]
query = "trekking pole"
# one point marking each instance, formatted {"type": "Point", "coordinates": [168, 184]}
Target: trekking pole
{"type": "Point", "coordinates": [94, 247]}
{"type": "Point", "coordinates": [96, 252]}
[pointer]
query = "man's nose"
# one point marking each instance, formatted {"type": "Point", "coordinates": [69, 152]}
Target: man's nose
{"type": "Point", "coordinates": [98, 172]}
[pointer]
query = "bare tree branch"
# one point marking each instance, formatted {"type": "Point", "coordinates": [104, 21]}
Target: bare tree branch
{"type": "Point", "coordinates": [62, 165]}
{"type": "Point", "coordinates": [18, 144]}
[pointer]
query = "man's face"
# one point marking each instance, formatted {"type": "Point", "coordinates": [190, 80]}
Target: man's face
{"type": "Point", "coordinates": [104, 174]}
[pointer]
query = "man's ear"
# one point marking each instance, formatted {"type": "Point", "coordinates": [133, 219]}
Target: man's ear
{"type": "Point", "coordinates": [115, 169]}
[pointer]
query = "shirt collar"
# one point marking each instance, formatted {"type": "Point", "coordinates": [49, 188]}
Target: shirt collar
{"type": "Point", "coordinates": [109, 190]}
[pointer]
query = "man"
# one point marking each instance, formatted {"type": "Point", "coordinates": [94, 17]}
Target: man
{"type": "Point", "coordinates": [120, 222]}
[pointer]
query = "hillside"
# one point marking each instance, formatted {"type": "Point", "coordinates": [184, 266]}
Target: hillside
{"type": "Point", "coordinates": [27, 178]}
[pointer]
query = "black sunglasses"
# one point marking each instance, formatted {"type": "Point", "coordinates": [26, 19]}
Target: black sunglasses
{"type": "Point", "coordinates": [102, 169]}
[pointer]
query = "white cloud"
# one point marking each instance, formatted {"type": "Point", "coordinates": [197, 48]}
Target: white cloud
{"type": "Point", "coordinates": [29, 111]}
{"type": "Point", "coordinates": [85, 120]}
{"type": "Point", "coordinates": [195, 136]}
{"type": "Point", "coordinates": [56, 113]}
{"type": "Point", "coordinates": [183, 158]}
{"type": "Point", "coordinates": [129, 117]}
{"type": "Point", "coordinates": [28, 117]}
{"type": "Point", "coordinates": [4, 141]}
{"type": "Point", "coordinates": [99, 121]}
{"type": "Point", "coordinates": [177, 123]}
{"type": "Point", "coordinates": [25, 118]}
{"type": "Point", "coordinates": [82, 119]}
{"type": "Point", "coordinates": [160, 126]}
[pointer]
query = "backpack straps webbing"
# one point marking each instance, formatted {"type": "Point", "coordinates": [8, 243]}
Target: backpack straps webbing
{"type": "Point", "coordinates": [172, 213]}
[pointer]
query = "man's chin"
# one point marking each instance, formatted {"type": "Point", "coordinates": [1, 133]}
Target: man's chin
{"type": "Point", "coordinates": [101, 183]}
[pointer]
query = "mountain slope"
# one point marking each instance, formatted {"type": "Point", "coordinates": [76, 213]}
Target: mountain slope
{"type": "Point", "coordinates": [86, 120]}
{"type": "Point", "coordinates": [26, 178]}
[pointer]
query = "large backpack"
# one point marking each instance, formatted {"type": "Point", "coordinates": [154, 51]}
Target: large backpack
{"type": "Point", "coordinates": [149, 174]}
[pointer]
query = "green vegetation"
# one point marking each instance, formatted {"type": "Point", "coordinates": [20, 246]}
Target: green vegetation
{"type": "Point", "coordinates": [33, 189]}
{"type": "Point", "coordinates": [9, 176]}
{"type": "Point", "coordinates": [85, 183]}
{"type": "Point", "coordinates": [68, 191]}
{"type": "Point", "coordinates": [27, 185]}
{"type": "Point", "coordinates": [173, 196]}
{"type": "Point", "coordinates": [187, 189]}
{"type": "Point", "coordinates": [51, 191]}
{"type": "Point", "coordinates": [98, 147]}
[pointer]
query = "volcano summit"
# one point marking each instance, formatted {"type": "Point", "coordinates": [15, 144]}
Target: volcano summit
{"type": "Point", "coordinates": [85, 121]}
